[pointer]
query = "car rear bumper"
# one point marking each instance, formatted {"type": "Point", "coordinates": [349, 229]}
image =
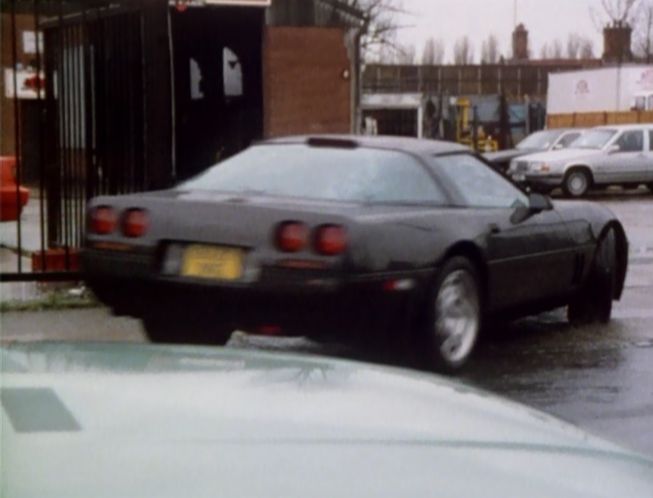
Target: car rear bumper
{"type": "Point", "coordinates": [326, 302]}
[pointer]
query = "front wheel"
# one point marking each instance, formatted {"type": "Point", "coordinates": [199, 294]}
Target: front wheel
{"type": "Point", "coordinates": [577, 183]}
{"type": "Point", "coordinates": [594, 301]}
{"type": "Point", "coordinates": [453, 317]}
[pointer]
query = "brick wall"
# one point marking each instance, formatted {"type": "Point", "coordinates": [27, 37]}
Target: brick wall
{"type": "Point", "coordinates": [304, 87]}
{"type": "Point", "coordinates": [23, 22]}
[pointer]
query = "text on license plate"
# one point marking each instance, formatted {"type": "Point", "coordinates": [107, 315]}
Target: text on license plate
{"type": "Point", "coordinates": [212, 262]}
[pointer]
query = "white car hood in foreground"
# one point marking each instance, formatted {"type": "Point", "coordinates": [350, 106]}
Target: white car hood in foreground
{"type": "Point", "coordinates": [562, 156]}
{"type": "Point", "coordinates": [119, 421]}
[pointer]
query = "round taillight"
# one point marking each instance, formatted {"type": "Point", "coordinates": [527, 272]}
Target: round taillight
{"type": "Point", "coordinates": [102, 220]}
{"type": "Point", "coordinates": [292, 236]}
{"type": "Point", "coordinates": [135, 223]}
{"type": "Point", "coordinates": [330, 240]}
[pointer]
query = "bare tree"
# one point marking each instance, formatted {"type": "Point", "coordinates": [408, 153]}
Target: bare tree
{"type": "Point", "coordinates": [463, 51]}
{"type": "Point", "coordinates": [378, 27]}
{"type": "Point", "coordinates": [545, 51]}
{"type": "Point", "coordinates": [586, 51]}
{"type": "Point", "coordinates": [573, 45]}
{"type": "Point", "coordinates": [613, 12]}
{"type": "Point", "coordinates": [643, 31]}
{"type": "Point", "coordinates": [490, 50]}
{"type": "Point", "coordinates": [405, 54]}
{"type": "Point", "coordinates": [556, 49]}
{"type": "Point", "coordinates": [552, 50]}
{"type": "Point", "coordinates": [397, 54]}
{"type": "Point", "coordinates": [433, 52]}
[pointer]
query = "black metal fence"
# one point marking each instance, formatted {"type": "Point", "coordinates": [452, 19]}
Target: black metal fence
{"type": "Point", "coordinates": [83, 83]}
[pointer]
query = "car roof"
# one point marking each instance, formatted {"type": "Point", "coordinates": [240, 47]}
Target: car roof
{"type": "Point", "coordinates": [412, 145]}
{"type": "Point", "coordinates": [561, 130]}
{"type": "Point", "coordinates": [631, 126]}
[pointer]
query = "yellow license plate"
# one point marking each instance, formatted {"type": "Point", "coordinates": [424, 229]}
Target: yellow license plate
{"type": "Point", "coordinates": [212, 262]}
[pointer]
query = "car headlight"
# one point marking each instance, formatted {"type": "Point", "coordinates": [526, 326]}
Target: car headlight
{"type": "Point", "coordinates": [539, 167]}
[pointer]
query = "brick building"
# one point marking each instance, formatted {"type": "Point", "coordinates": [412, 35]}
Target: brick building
{"type": "Point", "coordinates": [172, 85]}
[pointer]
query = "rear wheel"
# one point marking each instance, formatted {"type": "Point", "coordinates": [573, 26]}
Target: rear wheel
{"type": "Point", "coordinates": [577, 183]}
{"type": "Point", "coordinates": [594, 302]}
{"type": "Point", "coordinates": [176, 328]}
{"type": "Point", "coordinates": [452, 318]}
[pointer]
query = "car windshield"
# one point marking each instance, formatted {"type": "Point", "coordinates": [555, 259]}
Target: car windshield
{"type": "Point", "coordinates": [541, 140]}
{"type": "Point", "coordinates": [322, 173]}
{"type": "Point", "coordinates": [593, 139]}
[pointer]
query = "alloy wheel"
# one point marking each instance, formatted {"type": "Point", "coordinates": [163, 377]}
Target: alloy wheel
{"type": "Point", "coordinates": [457, 316]}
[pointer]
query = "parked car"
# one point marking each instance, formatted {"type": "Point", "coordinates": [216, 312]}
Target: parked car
{"type": "Point", "coordinates": [119, 420]}
{"type": "Point", "coordinates": [604, 156]}
{"type": "Point", "coordinates": [378, 240]}
{"type": "Point", "coordinates": [539, 141]}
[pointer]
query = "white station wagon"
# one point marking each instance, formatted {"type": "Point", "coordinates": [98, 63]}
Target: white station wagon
{"type": "Point", "coordinates": [603, 156]}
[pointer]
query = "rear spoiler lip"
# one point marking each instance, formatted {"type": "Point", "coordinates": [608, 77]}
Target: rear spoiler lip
{"type": "Point", "coordinates": [340, 143]}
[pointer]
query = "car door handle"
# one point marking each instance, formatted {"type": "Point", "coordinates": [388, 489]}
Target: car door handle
{"type": "Point", "coordinates": [494, 228]}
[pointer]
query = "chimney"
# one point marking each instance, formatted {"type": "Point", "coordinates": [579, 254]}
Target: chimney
{"type": "Point", "coordinates": [520, 43]}
{"type": "Point", "coordinates": [616, 42]}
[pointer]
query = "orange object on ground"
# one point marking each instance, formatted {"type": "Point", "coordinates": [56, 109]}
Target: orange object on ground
{"type": "Point", "coordinates": [56, 260]}
{"type": "Point", "coordinates": [9, 209]}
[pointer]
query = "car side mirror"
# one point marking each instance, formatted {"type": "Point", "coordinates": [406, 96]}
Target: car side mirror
{"type": "Point", "coordinates": [613, 149]}
{"type": "Point", "coordinates": [539, 202]}
{"type": "Point", "coordinates": [536, 204]}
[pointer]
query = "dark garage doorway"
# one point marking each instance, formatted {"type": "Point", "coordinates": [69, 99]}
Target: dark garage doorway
{"type": "Point", "coordinates": [218, 84]}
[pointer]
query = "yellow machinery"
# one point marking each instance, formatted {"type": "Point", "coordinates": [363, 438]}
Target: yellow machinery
{"type": "Point", "coordinates": [465, 133]}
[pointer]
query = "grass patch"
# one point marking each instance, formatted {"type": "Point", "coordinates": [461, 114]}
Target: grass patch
{"type": "Point", "coordinates": [52, 301]}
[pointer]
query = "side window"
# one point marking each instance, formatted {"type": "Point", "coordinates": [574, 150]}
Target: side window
{"type": "Point", "coordinates": [566, 140]}
{"type": "Point", "coordinates": [196, 92]}
{"type": "Point", "coordinates": [478, 184]}
{"type": "Point", "coordinates": [232, 73]}
{"type": "Point", "coordinates": [631, 141]}
{"type": "Point", "coordinates": [650, 140]}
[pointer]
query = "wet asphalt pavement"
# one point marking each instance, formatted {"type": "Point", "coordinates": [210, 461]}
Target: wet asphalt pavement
{"type": "Point", "coordinates": [598, 377]}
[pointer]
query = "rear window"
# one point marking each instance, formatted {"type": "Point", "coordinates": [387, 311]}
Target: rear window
{"type": "Point", "coordinates": [337, 174]}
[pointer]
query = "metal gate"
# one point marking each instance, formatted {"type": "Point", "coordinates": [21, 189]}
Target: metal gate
{"type": "Point", "coordinates": [92, 90]}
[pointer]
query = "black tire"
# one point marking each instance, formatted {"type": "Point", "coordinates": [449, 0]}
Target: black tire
{"type": "Point", "coordinates": [174, 328]}
{"type": "Point", "coordinates": [456, 288]}
{"type": "Point", "coordinates": [594, 302]}
{"type": "Point", "coordinates": [576, 183]}
{"type": "Point", "coordinates": [650, 187]}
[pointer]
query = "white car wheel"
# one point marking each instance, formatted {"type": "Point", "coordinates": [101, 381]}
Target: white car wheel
{"type": "Point", "coordinates": [577, 183]}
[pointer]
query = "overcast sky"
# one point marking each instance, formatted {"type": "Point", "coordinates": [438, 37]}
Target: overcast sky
{"type": "Point", "coordinates": [545, 20]}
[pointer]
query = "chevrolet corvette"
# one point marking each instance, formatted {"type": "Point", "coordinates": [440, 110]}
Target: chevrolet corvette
{"type": "Point", "coordinates": [388, 241]}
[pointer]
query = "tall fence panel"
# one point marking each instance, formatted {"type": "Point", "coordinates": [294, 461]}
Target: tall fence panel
{"type": "Point", "coordinates": [83, 103]}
